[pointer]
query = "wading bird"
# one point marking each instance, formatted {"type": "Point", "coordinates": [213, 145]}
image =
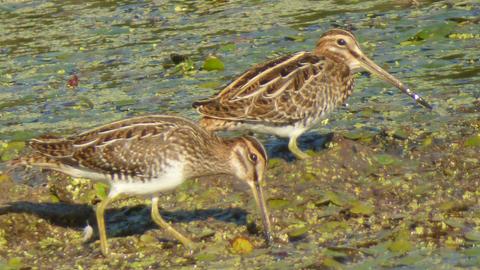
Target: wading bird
{"type": "Point", "coordinates": [148, 155]}
{"type": "Point", "coordinates": [290, 95]}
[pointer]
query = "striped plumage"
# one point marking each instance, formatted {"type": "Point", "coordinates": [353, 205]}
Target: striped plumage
{"type": "Point", "coordinates": [148, 155]}
{"type": "Point", "coordinates": [285, 90]}
{"type": "Point", "coordinates": [132, 150]}
{"type": "Point", "coordinates": [291, 94]}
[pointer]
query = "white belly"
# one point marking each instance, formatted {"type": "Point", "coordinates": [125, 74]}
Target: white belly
{"type": "Point", "coordinates": [281, 131]}
{"type": "Point", "coordinates": [169, 179]}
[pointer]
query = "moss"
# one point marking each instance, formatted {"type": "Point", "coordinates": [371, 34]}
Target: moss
{"type": "Point", "coordinates": [3, 240]}
{"type": "Point", "coordinates": [10, 150]}
{"type": "Point", "coordinates": [241, 245]}
{"type": "Point", "coordinates": [213, 63]}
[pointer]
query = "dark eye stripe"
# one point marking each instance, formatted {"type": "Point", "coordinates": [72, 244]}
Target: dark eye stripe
{"type": "Point", "coordinates": [257, 145]}
{"type": "Point", "coordinates": [354, 54]}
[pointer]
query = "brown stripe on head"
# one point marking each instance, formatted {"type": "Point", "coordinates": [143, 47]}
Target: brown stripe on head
{"type": "Point", "coordinates": [341, 46]}
{"type": "Point", "coordinates": [333, 34]}
{"type": "Point", "coordinates": [338, 31]}
{"type": "Point", "coordinates": [252, 142]}
{"type": "Point", "coordinates": [249, 145]}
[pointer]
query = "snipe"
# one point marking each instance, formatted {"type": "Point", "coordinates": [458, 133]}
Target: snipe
{"type": "Point", "coordinates": [289, 95]}
{"type": "Point", "coordinates": [149, 155]}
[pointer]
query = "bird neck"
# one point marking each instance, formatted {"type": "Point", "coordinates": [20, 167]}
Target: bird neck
{"type": "Point", "coordinates": [215, 160]}
{"type": "Point", "coordinates": [227, 155]}
{"type": "Point", "coordinates": [334, 57]}
{"type": "Point", "coordinates": [336, 63]}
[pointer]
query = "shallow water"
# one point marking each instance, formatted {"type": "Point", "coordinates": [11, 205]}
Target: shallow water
{"type": "Point", "coordinates": [120, 51]}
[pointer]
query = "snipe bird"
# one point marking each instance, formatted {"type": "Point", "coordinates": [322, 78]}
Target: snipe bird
{"type": "Point", "coordinates": [289, 95]}
{"type": "Point", "coordinates": [148, 155]}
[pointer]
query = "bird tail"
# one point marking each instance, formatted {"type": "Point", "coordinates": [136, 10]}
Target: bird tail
{"type": "Point", "coordinates": [33, 159]}
{"type": "Point", "coordinates": [52, 146]}
{"type": "Point", "coordinates": [46, 151]}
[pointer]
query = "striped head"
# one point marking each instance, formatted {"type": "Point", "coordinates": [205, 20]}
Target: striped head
{"type": "Point", "coordinates": [249, 159]}
{"type": "Point", "coordinates": [249, 162]}
{"type": "Point", "coordinates": [341, 46]}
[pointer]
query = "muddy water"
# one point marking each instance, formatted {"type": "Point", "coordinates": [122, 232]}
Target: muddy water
{"type": "Point", "coordinates": [120, 51]}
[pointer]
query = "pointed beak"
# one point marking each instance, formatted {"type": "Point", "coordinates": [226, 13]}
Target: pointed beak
{"type": "Point", "coordinates": [369, 65]}
{"type": "Point", "coordinates": [260, 200]}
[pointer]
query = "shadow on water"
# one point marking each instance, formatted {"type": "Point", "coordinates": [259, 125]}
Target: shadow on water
{"type": "Point", "coordinates": [122, 221]}
{"type": "Point", "coordinates": [313, 141]}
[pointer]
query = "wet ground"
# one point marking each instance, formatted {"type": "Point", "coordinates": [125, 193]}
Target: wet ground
{"type": "Point", "coordinates": [390, 185]}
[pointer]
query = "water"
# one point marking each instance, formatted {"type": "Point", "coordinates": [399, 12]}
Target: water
{"type": "Point", "coordinates": [118, 51]}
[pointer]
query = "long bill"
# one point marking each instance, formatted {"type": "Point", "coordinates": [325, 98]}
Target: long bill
{"type": "Point", "coordinates": [260, 200]}
{"type": "Point", "coordinates": [380, 72]}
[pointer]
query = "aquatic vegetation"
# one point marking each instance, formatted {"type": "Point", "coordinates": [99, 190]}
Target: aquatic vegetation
{"type": "Point", "coordinates": [213, 63]}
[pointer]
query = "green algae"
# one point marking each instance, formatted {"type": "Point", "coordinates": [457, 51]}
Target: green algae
{"type": "Point", "coordinates": [101, 190]}
{"type": "Point", "coordinates": [11, 149]}
{"type": "Point", "coordinates": [274, 162]}
{"type": "Point", "coordinates": [400, 246]}
{"type": "Point", "coordinates": [385, 159]}
{"type": "Point", "coordinates": [213, 63]}
{"type": "Point", "coordinates": [3, 240]}
{"type": "Point", "coordinates": [278, 203]}
{"type": "Point", "coordinates": [473, 141]}
{"type": "Point", "coordinates": [298, 232]}
{"type": "Point", "coordinates": [473, 235]}
{"type": "Point", "coordinates": [436, 31]}
{"type": "Point", "coordinates": [14, 264]}
{"type": "Point", "coordinates": [361, 208]}
{"type": "Point", "coordinates": [241, 245]}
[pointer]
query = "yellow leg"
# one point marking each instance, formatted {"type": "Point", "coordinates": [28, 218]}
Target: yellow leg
{"type": "Point", "coordinates": [162, 223]}
{"type": "Point", "coordinates": [101, 224]}
{"type": "Point", "coordinates": [292, 145]}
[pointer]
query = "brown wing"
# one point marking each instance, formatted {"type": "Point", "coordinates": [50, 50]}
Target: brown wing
{"type": "Point", "coordinates": [277, 91]}
{"type": "Point", "coordinates": [126, 147]}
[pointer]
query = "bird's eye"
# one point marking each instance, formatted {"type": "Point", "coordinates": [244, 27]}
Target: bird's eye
{"type": "Point", "coordinates": [341, 42]}
{"type": "Point", "coordinates": [252, 157]}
